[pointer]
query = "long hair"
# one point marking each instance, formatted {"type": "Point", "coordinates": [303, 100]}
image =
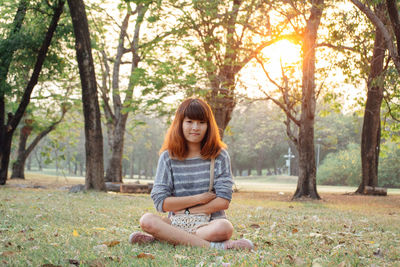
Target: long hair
{"type": "Point", "coordinates": [175, 142]}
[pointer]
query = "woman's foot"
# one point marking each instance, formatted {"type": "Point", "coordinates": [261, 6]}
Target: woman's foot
{"type": "Point", "coordinates": [140, 238]}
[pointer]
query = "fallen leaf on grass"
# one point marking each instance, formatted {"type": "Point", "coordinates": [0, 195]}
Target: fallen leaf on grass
{"type": "Point", "coordinates": [315, 235]}
{"type": "Point", "coordinates": [378, 253]}
{"type": "Point", "coordinates": [31, 239]}
{"type": "Point", "coordinates": [294, 230]}
{"type": "Point", "coordinates": [74, 262]}
{"type": "Point", "coordinates": [111, 243]}
{"type": "Point", "coordinates": [75, 233]}
{"type": "Point", "coordinates": [268, 243]}
{"type": "Point", "coordinates": [99, 228]}
{"type": "Point", "coordinates": [113, 258]}
{"type": "Point", "coordinates": [179, 257]}
{"type": "Point", "coordinates": [50, 265]}
{"type": "Point", "coordinates": [8, 244]}
{"type": "Point", "coordinates": [145, 256]}
{"type": "Point", "coordinates": [7, 253]}
{"type": "Point", "coordinates": [255, 226]}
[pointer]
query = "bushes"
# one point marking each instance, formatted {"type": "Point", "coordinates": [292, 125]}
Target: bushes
{"type": "Point", "coordinates": [389, 166]}
{"type": "Point", "coordinates": [344, 167]}
{"type": "Point", "coordinates": [341, 168]}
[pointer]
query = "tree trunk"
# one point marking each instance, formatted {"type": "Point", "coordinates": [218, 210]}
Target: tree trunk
{"type": "Point", "coordinates": [19, 165]}
{"type": "Point", "coordinates": [7, 130]}
{"type": "Point", "coordinates": [371, 131]}
{"type": "Point", "coordinates": [306, 185]}
{"type": "Point", "coordinates": [29, 163]}
{"type": "Point", "coordinates": [114, 169]}
{"type": "Point", "coordinates": [94, 178]}
{"type": "Point", "coordinates": [23, 152]}
{"type": "Point", "coordinates": [116, 121]}
{"type": "Point", "coordinates": [132, 169]}
{"type": "Point", "coordinates": [222, 104]}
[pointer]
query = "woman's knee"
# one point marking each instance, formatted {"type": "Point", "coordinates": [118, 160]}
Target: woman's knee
{"type": "Point", "coordinates": [148, 222]}
{"type": "Point", "coordinates": [223, 229]}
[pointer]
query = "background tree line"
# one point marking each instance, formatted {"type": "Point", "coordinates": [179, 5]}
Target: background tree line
{"type": "Point", "coordinates": [255, 142]}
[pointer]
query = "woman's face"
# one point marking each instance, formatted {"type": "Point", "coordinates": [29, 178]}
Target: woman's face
{"type": "Point", "coordinates": [194, 130]}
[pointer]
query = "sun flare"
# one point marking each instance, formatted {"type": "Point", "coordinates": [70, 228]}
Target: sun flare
{"type": "Point", "coordinates": [282, 53]}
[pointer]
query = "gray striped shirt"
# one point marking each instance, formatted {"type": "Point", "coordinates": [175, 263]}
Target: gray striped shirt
{"type": "Point", "coordinates": [190, 177]}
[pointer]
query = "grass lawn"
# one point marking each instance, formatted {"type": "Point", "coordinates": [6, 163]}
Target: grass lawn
{"type": "Point", "coordinates": [54, 227]}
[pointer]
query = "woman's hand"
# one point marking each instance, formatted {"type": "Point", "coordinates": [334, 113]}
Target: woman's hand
{"type": "Point", "coordinates": [206, 197]}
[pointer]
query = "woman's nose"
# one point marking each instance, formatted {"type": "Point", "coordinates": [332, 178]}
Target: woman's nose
{"type": "Point", "coordinates": [195, 126]}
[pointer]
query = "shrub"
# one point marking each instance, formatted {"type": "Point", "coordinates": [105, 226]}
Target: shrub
{"type": "Point", "coordinates": [344, 167]}
{"type": "Point", "coordinates": [341, 168]}
{"type": "Point", "coordinates": [389, 166]}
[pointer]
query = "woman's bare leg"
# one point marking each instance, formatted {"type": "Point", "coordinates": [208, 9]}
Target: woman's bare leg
{"type": "Point", "coordinates": [163, 231]}
{"type": "Point", "coordinates": [216, 231]}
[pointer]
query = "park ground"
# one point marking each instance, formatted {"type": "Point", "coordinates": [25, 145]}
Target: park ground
{"type": "Point", "coordinates": [42, 224]}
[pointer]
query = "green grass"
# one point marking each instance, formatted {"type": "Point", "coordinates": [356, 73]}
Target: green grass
{"type": "Point", "coordinates": [37, 227]}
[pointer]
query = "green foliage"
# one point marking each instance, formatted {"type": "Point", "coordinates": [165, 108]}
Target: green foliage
{"type": "Point", "coordinates": [389, 162]}
{"type": "Point", "coordinates": [254, 137]}
{"type": "Point", "coordinates": [344, 167]}
{"type": "Point", "coordinates": [341, 168]}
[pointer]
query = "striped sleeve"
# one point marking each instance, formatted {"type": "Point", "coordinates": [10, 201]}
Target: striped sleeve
{"type": "Point", "coordinates": [223, 176]}
{"type": "Point", "coordinates": [163, 186]}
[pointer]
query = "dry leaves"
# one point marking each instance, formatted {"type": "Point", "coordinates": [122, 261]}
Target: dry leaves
{"type": "Point", "coordinates": [255, 226]}
{"type": "Point", "coordinates": [111, 243]}
{"type": "Point", "coordinates": [74, 262]}
{"type": "Point", "coordinates": [7, 253]}
{"type": "Point", "coordinates": [145, 256]}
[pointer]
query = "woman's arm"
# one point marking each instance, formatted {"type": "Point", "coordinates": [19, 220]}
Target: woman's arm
{"type": "Point", "coordinates": [214, 205]}
{"type": "Point", "coordinates": [181, 203]}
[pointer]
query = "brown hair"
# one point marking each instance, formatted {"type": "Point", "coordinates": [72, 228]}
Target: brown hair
{"type": "Point", "coordinates": [175, 142]}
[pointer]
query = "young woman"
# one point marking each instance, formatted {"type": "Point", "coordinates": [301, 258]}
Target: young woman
{"type": "Point", "coordinates": [182, 182]}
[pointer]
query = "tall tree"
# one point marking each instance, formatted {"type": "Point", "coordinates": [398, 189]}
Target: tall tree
{"type": "Point", "coordinates": [303, 136]}
{"type": "Point", "coordinates": [371, 131]}
{"type": "Point", "coordinates": [118, 99]}
{"type": "Point", "coordinates": [385, 18]}
{"type": "Point", "coordinates": [8, 127]}
{"type": "Point", "coordinates": [93, 136]}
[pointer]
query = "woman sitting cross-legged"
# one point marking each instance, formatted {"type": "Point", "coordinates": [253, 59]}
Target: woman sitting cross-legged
{"type": "Point", "coordinates": [193, 183]}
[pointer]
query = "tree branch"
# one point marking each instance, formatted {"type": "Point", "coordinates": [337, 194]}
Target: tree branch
{"type": "Point", "coordinates": [394, 19]}
{"type": "Point", "coordinates": [38, 66]}
{"type": "Point", "coordinates": [379, 25]}
{"type": "Point", "coordinates": [337, 47]}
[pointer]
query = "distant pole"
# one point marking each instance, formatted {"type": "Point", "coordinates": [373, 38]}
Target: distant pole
{"type": "Point", "coordinates": [289, 156]}
{"type": "Point", "coordinates": [318, 149]}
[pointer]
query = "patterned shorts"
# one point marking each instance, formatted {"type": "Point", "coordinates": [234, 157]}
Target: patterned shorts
{"type": "Point", "coordinates": [190, 222]}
